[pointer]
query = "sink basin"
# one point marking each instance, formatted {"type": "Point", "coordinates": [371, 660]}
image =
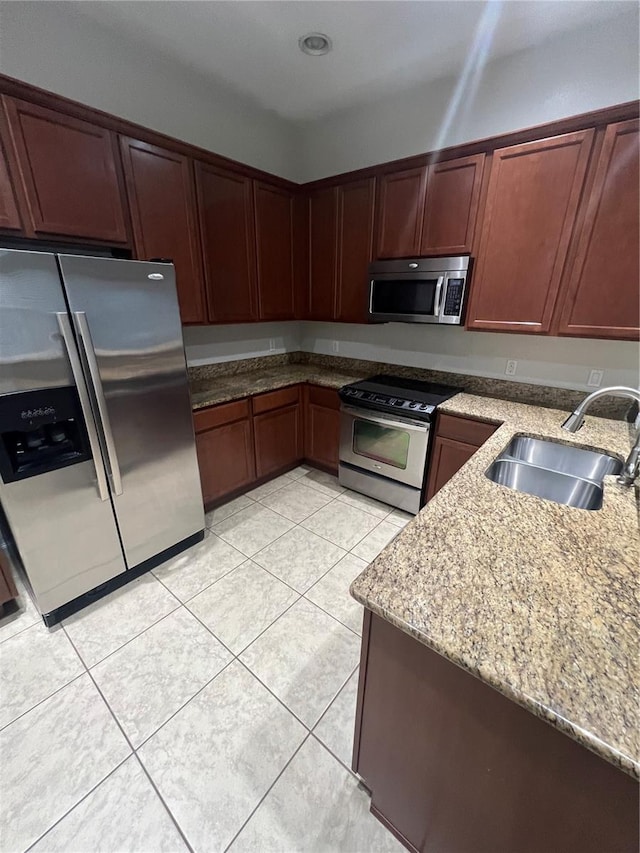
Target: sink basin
{"type": "Point", "coordinates": [556, 472]}
{"type": "Point", "coordinates": [586, 464]}
{"type": "Point", "coordinates": [550, 485]}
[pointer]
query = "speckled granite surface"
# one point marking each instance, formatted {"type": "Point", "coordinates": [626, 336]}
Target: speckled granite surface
{"type": "Point", "coordinates": [230, 380]}
{"type": "Point", "coordinates": [537, 599]}
{"type": "Point", "coordinates": [221, 388]}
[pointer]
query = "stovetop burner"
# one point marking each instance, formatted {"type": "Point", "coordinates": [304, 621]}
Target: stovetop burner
{"type": "Point", "coordinates": [397, 394]}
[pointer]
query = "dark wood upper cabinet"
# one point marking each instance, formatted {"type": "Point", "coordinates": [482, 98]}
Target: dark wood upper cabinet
{"type": "Point", "coordinates": [323, 211]}
{"type": "Point", "coordinates": [68, 168]}
{"type": "Point", "coordinates": [225, 205]}
{"type": "Point", "coordinates": [603, 291]}
{"type": "Point", "coordinates": [401, 197]}
{"type": "Point", "coordinates": [532, 199]}
{"type": "Point", "coordinates": [10, 218]}
{"type": "Point", "coordinates": [453, 193]}
{"type": "Point", "coordinates": [274, 250]}
{"type": "Point", "coordinates": [162, 203]}
{"type": "Point", "coordinates": [355, 245]}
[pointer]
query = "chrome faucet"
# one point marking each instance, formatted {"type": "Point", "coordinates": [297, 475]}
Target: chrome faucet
{"type": "Point", "coordinates": [575, 420]}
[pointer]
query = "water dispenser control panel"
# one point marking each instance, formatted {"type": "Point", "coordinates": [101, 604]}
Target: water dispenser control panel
{"type": "Point", "coordinates": [40, 431]}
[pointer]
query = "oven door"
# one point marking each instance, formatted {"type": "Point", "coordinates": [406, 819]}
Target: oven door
{"type": "Point", "coordinates": [385, 445]}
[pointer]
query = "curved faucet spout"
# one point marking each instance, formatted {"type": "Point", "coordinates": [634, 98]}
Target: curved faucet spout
{"type": "Point", "coordinates": [576, 420]}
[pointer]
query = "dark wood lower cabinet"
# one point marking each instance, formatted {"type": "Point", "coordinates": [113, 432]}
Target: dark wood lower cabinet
{"type": "Point", "coordinates": [322, 427]}
{"type": "Point", "coordinates": [243, 442]}
{"type": "Point", "coordinates": [455, 767]}
{"type": "Point", "coordinates": [456, 440]}
{"type": "Point", "coordinates": [8, 590]}
{"type": "Point", "coordinates": [277, 431]}
{"type": "Point", "coordinates": [224, 444]}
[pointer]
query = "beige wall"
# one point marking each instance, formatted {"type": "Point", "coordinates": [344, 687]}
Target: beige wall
{"type": "Point", "coordinates": [582, 70]}
{"type": "Point", "coordinates": [47, 45]}
{"type": "Point", "coordinates": [560, 362]}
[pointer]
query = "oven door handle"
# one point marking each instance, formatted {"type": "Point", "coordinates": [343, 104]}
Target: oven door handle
{"type": "Point", "coordinates": [367, 415]}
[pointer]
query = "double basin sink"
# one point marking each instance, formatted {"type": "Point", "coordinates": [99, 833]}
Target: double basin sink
{"type": "Point", "coordinates": [555, 472]}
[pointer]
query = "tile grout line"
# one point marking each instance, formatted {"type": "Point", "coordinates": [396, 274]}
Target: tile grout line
{"type": "Point", "coordinates": [41, 701]}
{"type": "Point", "coordinates": [172, 817]}
{"type": "Point", "coordinates": [234, 657]}
{"type": "Point", "coordinates": [131, 747]}
{"type": "Point", "coordinates": [37, 621]}
{"type": "Point", "coordinates": [81, 800]}
{"type": "Point", "coordinates": [268, 791]}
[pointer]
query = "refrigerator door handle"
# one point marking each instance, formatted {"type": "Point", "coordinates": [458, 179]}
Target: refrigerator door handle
{"type": "Point", "coordinates": [84, 335]}
{"type": "Point", "coordinates": [64, 325]}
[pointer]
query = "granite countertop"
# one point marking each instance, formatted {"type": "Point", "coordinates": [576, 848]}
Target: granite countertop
{"type": "Point", "coordinates": [223, 388]}
{"type": "Point", "coordinates": [537, 599]}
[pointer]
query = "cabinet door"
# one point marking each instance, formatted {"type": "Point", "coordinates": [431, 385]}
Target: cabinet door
{"type": "Point", "coordinates": [453, 192]}
{"type": "Point", "coordinates": [278, 439]}
{"type": "Point", "coordinates": [9, 213]}
{"type": "Point", "coordinates": [163, 213]}
{"type": "Point", "coordinates": [447, 457]}
{"type": "Point", "coordinates": [401, 198]}
{"type": "Point", "coordinates": [274, 248]}
{"type": "Point", "coordinates": [322, 427]}
{"type": "Point", "coordinates": [323, 253]}
{"type": "Point", "coordinates": [226, 459]}
{"type": "Point", "coordinates": [68, 168]}
{"type": "Point", "coordinates": [355, 237]}
{"type": "Point", "coordinates": [532, 199]}
{"type": "Point", "coordinates": [603, 293]}
{"type": "Point", "coordinates": [225, 204]}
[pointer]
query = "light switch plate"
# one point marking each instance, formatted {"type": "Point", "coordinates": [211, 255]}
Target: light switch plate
{"type": "Point", "coordinates": [595, 378]}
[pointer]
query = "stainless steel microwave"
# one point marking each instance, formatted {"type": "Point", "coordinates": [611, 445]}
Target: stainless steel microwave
{"type": "Point", "coordinates": [424, 290]}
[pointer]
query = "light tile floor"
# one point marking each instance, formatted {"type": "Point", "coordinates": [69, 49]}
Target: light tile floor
{"type": "Point", "coordinates": [208, 705]}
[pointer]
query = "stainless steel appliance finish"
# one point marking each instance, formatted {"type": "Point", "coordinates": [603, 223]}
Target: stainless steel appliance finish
{"type": "Point", "coordinates": [550, 485]}
{"type": "Point", "coordinates": [98, 472]}
{"type": "Point", "coordinates": [567, 475]}
{"type": "Point", "coordinates": [424, 290]}
{"type": "Point", "coordinates": [574, 461]}
{"type": "Point", "coordinates": [631, 468]}
{"type": "Point", "coordinates": [385, 429]}
{"type": "Point", "coordinates": [389, 446]}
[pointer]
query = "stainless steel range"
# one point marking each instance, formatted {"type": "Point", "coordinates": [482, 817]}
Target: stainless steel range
{"type": "Point", "coordinates": [385, 432]}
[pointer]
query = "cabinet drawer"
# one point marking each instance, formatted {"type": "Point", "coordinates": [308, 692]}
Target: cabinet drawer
{"type": "Point", "coordinates": [215, 416]}
{"type": "Point", "coordinates": [327, 397]}
{"type": "Point", "coordinates": [276, 399]}
{"type": "Point", "coordinates": [469, 430]}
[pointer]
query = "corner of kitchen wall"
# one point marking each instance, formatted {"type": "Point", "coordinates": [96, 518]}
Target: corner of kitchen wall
{"type": "Point", "coordinates": [210, 344]}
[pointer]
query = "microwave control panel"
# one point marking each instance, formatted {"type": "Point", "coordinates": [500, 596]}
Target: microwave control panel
{"type": "Point", "coordinates": [453, 299]}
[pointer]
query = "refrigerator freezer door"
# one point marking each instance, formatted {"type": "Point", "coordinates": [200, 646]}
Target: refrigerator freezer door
{"type": "Point", "coordinates": [126, 317]}
{"type": "Point", "coordinates": [32, 353]}
{"type": "Point", "coordinates": [62, 520]}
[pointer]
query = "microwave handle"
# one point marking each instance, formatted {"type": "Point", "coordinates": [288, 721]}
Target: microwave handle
{"type": "Point", "coordinates": [437, 299]}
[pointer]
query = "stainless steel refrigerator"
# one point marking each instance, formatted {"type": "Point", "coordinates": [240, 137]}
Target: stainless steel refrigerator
{"type": "Point", "coordinates": [98, 472]}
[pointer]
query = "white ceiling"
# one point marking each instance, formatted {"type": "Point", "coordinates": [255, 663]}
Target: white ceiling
{"type": "Point", "coordinates": [378, 47]}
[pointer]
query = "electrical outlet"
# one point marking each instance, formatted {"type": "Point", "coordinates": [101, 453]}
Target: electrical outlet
{"type": "Point", "coordinates": [272, 344]}
{"type": "Point", "coordinates": [595, 378]}
{"type": "Point", "coordinates": [511, 368]}
{"type": "Point", "coordinates": [335, 346]}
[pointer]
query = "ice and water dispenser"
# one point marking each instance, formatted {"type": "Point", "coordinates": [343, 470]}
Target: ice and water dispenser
{"type": "Point", "coordinates": [40, 431]}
